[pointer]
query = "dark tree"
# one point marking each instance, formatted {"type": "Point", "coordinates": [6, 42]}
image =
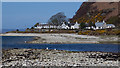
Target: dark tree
{"type": "Point", "coordinates": [27, 29]}
{"type": "Point", "coordinates": [82, 25]}
{"type": "Point", "coordinates": [58, 18]}
{"type": "Point", "coordinates": [91, 24]}
{"type": "Point", "coordinates": [36, 24]}
{"type": "Point", "coordinates": [17, 29]}
{"type": "Point", "coordinates": [32, 27]}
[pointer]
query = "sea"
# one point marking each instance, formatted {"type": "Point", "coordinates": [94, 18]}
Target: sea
{"type": "Point", "coordinates": [10, 42]}
{"type": "Point", "coordinates": [7, 30]}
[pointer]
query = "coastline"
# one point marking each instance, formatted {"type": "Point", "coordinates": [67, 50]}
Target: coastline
{"type": "Point", "coordinates": [65, 38]}
{"type": "Point", "coordinates": [46, 57]}
{"type": "Point", "coordinates": [56, 38]}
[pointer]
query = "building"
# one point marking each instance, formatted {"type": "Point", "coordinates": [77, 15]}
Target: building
{"type": "Point", "coordinates": [76, 26]}
{"type": "Point", "coordinates": [110, 26]}
{"type": "Point", "coordinates": [98, 25]}
{"type": "Point", "coordinates": [42, 26]}
{"type": "Point", "coordinates": [101, 25]}
{"type": "Point", "coordinates": [62, 26]}
{"type": "Point", "coordinates": [45, 26]}
{"type": "Point", "coordinates": [70, 26]}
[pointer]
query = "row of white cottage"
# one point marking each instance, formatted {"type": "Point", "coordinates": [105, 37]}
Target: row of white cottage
{"type": "Point", "coordinates": [62, 26]}
{"type": "Point", "coordinates": [98, 25]}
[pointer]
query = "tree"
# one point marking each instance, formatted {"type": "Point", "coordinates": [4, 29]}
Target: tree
{"type": "Point", "coordinates": [57, 19]}
{"type": "Point", "coordinates": [32, 28]}
{"type": "Point", "coordinates": [82, 25]}
{"type": "Point", "coordinates": [27, 29]}
{"type": "Point", "coordinates": [55, 22]}
{"type": "Point", "coordinates": [36, 24]}
{"type": "Point", "coordinates": [17, 30]}
{"type": "Point", "coordinates": [91, 24]}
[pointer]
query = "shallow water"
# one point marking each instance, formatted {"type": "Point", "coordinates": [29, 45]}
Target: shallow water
{"type": "Point", "coordinates": [9, 42]}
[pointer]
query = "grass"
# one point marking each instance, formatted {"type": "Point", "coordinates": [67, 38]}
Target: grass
{"type": "Point", "coordinates": [113, 42]}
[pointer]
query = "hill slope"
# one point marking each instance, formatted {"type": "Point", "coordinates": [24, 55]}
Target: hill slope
{"type": "Point", "coordinates": [93, 11]}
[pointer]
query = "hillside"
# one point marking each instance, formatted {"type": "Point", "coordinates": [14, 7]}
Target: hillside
{"type": "Point", "coordinates": [93, 11]}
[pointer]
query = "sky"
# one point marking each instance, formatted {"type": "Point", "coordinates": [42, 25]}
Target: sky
{"type": "Point", "coordinates": [22, 15]}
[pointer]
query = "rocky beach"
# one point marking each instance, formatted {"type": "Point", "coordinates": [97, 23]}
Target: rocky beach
{"type": "Point", "coordinates": [54, 57]}
{"type": "Point", "coordinates": [46, 57]}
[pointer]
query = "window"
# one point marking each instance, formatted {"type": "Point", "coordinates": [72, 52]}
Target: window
{"type": "Point", "coordinates": [111, 2]}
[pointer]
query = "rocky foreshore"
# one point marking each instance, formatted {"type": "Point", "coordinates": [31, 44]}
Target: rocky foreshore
{"type": "Point", "coordinates": [46, 57]}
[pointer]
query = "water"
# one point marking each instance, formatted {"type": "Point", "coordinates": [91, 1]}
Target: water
{"type": "Point", "coordinates": [18, 42]}
{"type": "Point", "coordinates": [7, 30]}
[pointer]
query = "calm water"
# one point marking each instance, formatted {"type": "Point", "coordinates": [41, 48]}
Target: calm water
{"type": "Point", "coordinates": [18, 42]}
{"type": "Point", "coordinates": [6, 30]}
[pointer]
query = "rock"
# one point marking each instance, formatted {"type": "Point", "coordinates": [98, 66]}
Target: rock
{"type": "Point", "coordinates": [43, 57]}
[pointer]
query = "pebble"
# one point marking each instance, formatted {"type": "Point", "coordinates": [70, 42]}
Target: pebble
{"type": "Point", "coordinates": [43, 57]}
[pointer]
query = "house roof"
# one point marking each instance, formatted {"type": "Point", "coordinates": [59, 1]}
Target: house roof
{"type": "Point", "coordinates": [99, 24]}
{"type": "Point", "coordinates": [43, 24]}
{"type": "Point", "coordinates": [110, 25]}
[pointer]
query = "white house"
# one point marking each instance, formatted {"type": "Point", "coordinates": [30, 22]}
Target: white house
{"type": "Point", "coordinates": [51, 26]}
{"type": "Point", "coordinates": [46, 26]}
{"type": "Point", "coordinates": [110, 26]}
{"type": "Point", "coordinates": [70, 26]}
{"type": "Point", "coordinates": [100, 25]}
{"type": "Point", "coordinates": [64, 26]}
{"type": "Point", "coordinates": [76, 26]}
{"type": "Point", "coordinates": [88, 27]}
{"type": "Point", "coordinates": [103, 25]}
{"type": "Point", "coordinates": [40, 26]}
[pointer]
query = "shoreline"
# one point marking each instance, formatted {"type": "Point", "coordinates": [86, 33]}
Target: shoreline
{"type": "Point", "coordinates": [60, 50]}
{"type": "Point", "coordinates": [55, 38]}
{"type": "Point", "coordinates": [65, 38]}
{"type": "Point", "coordinates": [46, 57]}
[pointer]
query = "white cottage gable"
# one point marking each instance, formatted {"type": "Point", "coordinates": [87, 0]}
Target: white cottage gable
{"type": "Point", "coordinates": [63, 26]}
{"type": "Point", "coordinates": [76, 26]}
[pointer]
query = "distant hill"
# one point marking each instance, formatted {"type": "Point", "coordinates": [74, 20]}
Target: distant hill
{"type": "Point", "coordinates": [93, 11]}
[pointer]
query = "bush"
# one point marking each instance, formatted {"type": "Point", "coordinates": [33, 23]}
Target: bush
{"type": "Point", "coordinates": [84, 32]}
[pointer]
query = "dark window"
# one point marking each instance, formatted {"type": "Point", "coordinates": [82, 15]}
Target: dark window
{"type": "Point", "coordinates": [111, 2]}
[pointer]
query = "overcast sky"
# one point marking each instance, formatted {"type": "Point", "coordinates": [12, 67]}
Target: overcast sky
{"type": "Point", "coordinates": [20, 15]}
